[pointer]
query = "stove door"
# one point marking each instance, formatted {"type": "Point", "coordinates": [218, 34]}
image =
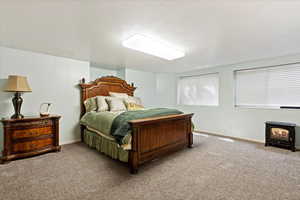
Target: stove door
{"type": "Point", "coordinates": [279, 134]}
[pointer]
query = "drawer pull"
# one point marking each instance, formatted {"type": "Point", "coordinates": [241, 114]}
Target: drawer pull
{"type": "Point", "coordinates": [31, 133]}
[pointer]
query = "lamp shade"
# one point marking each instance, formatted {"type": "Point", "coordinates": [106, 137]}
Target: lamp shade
{"type": "Point", "coordinates": [17, 84]}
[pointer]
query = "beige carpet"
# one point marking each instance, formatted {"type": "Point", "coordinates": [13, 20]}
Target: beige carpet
{"type": "Point", "coordinates": [214, 169]}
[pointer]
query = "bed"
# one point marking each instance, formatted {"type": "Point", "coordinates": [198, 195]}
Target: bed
{"type": "Point", "coordinates": [150, 138]}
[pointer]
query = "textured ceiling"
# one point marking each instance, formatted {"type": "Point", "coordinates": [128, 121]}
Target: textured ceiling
{"type": "Point", "coordinates": [211, 32]}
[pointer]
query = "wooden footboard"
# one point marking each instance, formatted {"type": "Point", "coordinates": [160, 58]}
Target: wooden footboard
{"type": "Point", "coordinates": [154, 137]}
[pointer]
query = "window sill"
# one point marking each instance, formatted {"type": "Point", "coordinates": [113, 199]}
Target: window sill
{"type": "Point", "coordinates": [266, 107]}
{"type": "Point", "coordinates": [214, 106]}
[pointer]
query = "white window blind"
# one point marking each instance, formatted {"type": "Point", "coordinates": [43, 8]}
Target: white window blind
{"type": "Point", "coordinates": [268, 87]}
{"type": "Point", "coordinates": [199, 90]}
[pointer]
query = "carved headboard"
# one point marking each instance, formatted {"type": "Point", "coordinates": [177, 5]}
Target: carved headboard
{"type": "Point", "coordinates": [102, 86]}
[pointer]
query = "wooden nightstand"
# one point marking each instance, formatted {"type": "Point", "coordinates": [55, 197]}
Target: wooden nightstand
{"type": "Point", "coordinates": [30, 136]}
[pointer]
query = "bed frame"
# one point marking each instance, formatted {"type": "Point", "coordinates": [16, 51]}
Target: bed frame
{"type": "Point", "coordinates": [151, 137]}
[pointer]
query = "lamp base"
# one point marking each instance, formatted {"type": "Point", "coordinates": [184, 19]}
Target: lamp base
{"type": "Point", "coordinates": [17, 102]}
{"type": "Point", "coordinates": [17, 116]}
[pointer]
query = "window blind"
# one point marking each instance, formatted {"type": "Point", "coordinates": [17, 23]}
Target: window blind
{"type": "Point", "coordinates": [268, 87]}
{"type": "Point", "coordinates": [199, 90]}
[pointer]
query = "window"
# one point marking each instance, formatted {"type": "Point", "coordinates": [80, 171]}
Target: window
{"type": "Point", "coordinates": [268, 87]}
{"type": "Point", "coordinates": [199, 90]}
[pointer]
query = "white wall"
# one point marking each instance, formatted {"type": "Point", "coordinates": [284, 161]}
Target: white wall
{"type": "Point", "coordinates": [52, 79]}
{"type": "Point", "coordinates": [146, 85]}
{"type": "Point", "coordinates": [121, 73]}
{"type": "Point", "coordinates": [155, 89]}
{"type": "Point", "coordinates": [96, 72]}
{"type": "Point", "coordinates": [226, 119]}
{"type": "Point", "coordinates": [166, 89]}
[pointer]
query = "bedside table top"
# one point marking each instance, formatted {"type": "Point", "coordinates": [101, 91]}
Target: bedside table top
{"type": "Point", "coordinates": [30, 118]}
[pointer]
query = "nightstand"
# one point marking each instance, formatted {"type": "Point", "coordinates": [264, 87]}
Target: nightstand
{"type": "Point", "coordinates": [30, 136]}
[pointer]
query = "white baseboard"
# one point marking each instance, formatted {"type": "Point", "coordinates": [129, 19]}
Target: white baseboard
{"type": "Point", "coordinates": [197, 131]}
{"type": "Point", "coordinates": [70, 141]}
{"type": "Point", "coordinates": [235, 138]}
{"type": "Point", "coordinates": [231, 137]}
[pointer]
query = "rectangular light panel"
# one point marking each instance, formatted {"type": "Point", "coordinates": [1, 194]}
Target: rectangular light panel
{"type": "Point", "coordinates": [153, 47]}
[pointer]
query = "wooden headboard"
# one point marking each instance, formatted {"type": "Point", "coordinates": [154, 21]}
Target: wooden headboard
{"type": "Point", "coordinates": [102, 86]}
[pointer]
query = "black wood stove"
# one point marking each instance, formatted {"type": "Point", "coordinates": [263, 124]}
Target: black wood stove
{"type": "Point", "coordinates": [280, 134]}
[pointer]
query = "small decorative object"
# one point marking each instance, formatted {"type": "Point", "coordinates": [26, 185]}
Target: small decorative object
{"type": "Point", "coordinates": [45, 109]}
{"type": "Point", "coordinates": [17, 84]}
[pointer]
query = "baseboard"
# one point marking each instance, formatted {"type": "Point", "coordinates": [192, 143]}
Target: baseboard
{"type": "Point", "coordinates": [197, 131]}
{"type": "Point", "coordinates": [236, 138]}
{"type": "Point", "coordinates": [230, 137]}
{"type": "Point", "coordinates": [70, 141]}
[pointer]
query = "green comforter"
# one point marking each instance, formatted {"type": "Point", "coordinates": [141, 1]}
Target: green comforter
{"type": "Point", "coordinates": [116, 124]}
{"type": "Point", "coordinates": [120, 125]}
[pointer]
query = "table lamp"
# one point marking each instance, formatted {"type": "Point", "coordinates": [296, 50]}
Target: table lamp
{"type": "Point", "coordinates": [17, 84]}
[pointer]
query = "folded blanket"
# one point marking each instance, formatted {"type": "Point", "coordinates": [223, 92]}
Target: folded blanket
{"type": "Point", "coordinates": [120, 125]}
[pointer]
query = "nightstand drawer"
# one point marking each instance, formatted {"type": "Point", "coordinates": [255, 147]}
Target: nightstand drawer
{"type": "Point", "coordinates": [29, 133]}
{"type": "Point", "coordinates": [32, 124]}
{"type": "Point", "coordinates": [32, 145]}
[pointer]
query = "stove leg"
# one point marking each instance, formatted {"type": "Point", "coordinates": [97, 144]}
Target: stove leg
{"type": "Point", "coordinates": [266, 144]}
{"type": "Point", "coordinates": [293, 149]}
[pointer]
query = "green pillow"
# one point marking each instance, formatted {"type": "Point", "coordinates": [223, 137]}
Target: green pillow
{"type": "Point", "coordinates": [90, 104]}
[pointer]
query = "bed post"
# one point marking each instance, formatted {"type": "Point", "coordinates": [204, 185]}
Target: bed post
{"type": "Point", "coordinates": [82, 133]}
{"type": "Point", "coordinates": [190, 134]}
{"type": "Point", "coordinates": [82, 108]}
{"type": "Point", "coordinates": [133, 153]}
{"type": "Point", "coordinates": [133, 162]}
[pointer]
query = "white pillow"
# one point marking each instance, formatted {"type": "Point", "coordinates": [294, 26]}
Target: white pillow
{"type": "Point", "coordinates": [135, 100]}
{"type": "Point", "coordinates": [115, 104]}
{"type": "Point", "coordinates": [102, 104]}
{"type": "Point", "coordinates": [119, 95]}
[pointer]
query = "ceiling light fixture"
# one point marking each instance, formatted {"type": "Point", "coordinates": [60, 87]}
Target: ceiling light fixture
{"type": "Point", "coordinates": [153, 47]}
